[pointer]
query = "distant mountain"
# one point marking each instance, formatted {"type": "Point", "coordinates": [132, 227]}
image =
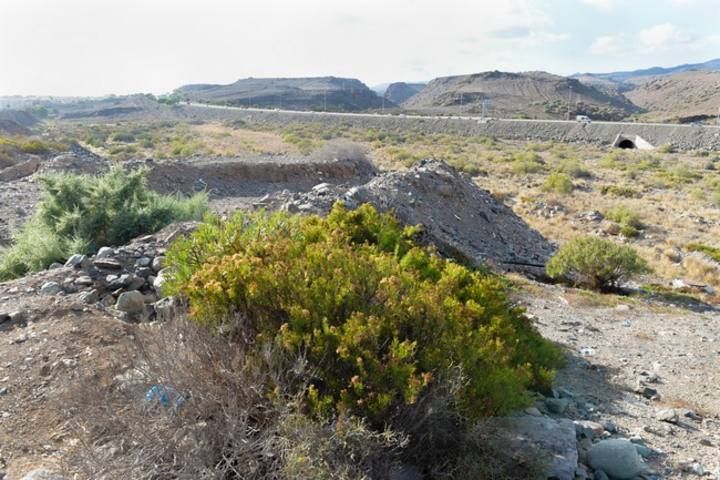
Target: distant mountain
{"type": "Point", "coordinates": [682, 97]}
{"type": "Point", "coordinates": [528, 94]}
{"type": "Point", "coordinates": [399, 92]}
{"type": "Point", "coordinates": [710, 65]}
{"type": "Point", "coordinates": [316, 93]}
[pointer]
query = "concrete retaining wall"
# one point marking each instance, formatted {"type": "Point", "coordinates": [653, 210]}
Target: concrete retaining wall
{"type": "Point", "coordinates": [682, 137]}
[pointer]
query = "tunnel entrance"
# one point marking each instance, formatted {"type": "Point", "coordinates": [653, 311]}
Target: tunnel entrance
{"type": "Point", "coordinates": [626, 144]}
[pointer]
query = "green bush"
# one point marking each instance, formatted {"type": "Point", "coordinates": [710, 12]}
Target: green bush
{"type": "Point", "coordinates": [629, 221]}
{"type": "Point", "coordinates": [377, 319]}
{"type": "Point", "coordinates": [595, 263]}
{"type": "Point", "coordinates": [123, 137]}
{"type": "Point", "coordinates": [574, 168]}
{"type": "Point", "coordinates": [558, 182]}
{"type": "Point", "coordinates": [619, 191]}
{"type": "Point", "coordinates": [80, 213]}
{"type": "Point", "coordinates": [527, 162]}
{"type": "Point", "coordinates": [712, 252]}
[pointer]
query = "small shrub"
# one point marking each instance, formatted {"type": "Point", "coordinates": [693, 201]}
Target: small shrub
{"type": "Point", "coordinates": [595, 263]}
{"type": "Point", "coordinates": [712, 252]}
{"type": "Point", "coordinates": [124, 137]}
{"type": "Point", "coordinates": [666, 148]}
{"type": "Point", "coordinates": [619, 191]}
{"type": "Point", "coordinates": [80, 213]}
{"type": "Point", "coordinates": [558, 182]}
{"type": "Point", "coordinates": [378, 319]}
{"type": "Point", "coordinates": [527, 162]}
{"type": "Point", "coordinates": [574, 168]}
{"type": "Point", "coordinates": [629, 221]}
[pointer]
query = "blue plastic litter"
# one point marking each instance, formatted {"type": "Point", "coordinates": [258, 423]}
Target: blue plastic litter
{"type": "Point", "coordinates": [164, 396]}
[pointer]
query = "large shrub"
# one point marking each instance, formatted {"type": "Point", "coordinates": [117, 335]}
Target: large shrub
{"type": "Point", "coordinates": [595, 263]}
{"type": "Point", "coordinates": [80, 213]}
{"type": "Point", "coordinates": [377, 319]}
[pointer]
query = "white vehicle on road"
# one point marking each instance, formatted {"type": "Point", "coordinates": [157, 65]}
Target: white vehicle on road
{"type": "Point", "coordinates": [582, 119]}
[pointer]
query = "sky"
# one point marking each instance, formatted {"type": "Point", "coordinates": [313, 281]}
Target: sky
{"type": "Point", "coordinates": [98, 47]}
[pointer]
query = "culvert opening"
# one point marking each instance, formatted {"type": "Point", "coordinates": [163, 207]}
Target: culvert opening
{"type": "Point", "coordinates": [626, 144]}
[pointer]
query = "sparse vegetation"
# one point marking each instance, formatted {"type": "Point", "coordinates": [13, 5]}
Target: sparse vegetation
{"type": "Point", "coordinates": [595, 263]}
{"type": "Point", "coordinates": [527, 162]}
{"type": "Point", "coordinates": [80, 213]}
{"type": "Point", "coordinates": [628, 219]}
{"type": "Point", "coordinates": [558, 182]}
{"type": "Point", "coordinates": [347, 292]}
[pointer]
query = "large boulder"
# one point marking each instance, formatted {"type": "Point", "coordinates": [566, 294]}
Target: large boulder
{"type": "Point", "coordinates": [552, 439]}
{"type": "Point", "coordinates": [617, 457]}
{"type": "Point", "coordinates": [131, 302]}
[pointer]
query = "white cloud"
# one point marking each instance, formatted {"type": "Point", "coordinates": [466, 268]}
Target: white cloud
{"type": "Point", "coordinates": [661, 37]}
{"type": "Point", "coordinates": [608, 44]}
{"type": "Point", "coordinates": [605, 5]}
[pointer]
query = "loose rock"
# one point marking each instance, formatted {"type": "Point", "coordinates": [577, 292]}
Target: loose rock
{"type": "Point", "coordinates": [616, 457]}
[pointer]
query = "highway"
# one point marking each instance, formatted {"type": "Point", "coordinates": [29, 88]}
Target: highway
{"type": "Point", "coordinates": [440, 117]}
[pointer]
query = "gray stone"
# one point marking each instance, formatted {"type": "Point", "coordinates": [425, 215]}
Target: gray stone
{"type": "Point", "coordinates": [616, 457]}
{"type": "Point", "coordinates": [42, 474]}
{"type": "Point", "coordinates": [75, 260]}
{"type": "Point", "coordinates": [130, 302]}
{"type": "Point", "coordinates": [83, 280]}
{"type": "Point", "coordinates": [136, 283]}
{"type": "Point", "coordinates": [143, 272]}
{"type": "Point", "coordinates": [105, 252]}
{"type": "Point", "coordinates": [533, 411]}
{"type": "Point", "coordinates": [600, 475]}
{"type": "Point", "coordinates": [107, 263]}
{"type": "Point", "coordinates": [553, 438]}
{"type": "Point", "coordinates": [557, 405]}
{"type": "Point", "coordinates": [610, 426]}
{"type": "Point", "coordinates": [55, 265]}
{"type": "Point", "coordinates": [165, 309]}
{"type": "Point", "coordinates": [143, 262]}
{"type": "Point", "coordinates": [668, 415]}
{"type": "Point", "coordinates": [158, 263]}
{"type": "Point", "coordinates": [159, 281]}
{"type": "Point", "coordinates": [5, 317]}
{"type": "Point", "coordinates": [51, 288]}
{"type": "Point", "coordinates": [90, 297]}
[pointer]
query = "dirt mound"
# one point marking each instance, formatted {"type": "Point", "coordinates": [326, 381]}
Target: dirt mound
{"type": "Point", "coordinates": [461, 219]}
{"type": "Point", "coordinates": [232, 177]}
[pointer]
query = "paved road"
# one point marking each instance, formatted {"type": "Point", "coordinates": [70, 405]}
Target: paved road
{"type": "Point", "coordinates": [437, 117]}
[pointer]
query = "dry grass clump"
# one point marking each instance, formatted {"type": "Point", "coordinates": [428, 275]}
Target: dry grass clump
{"type": "Point", "coordinates": [218, 422]}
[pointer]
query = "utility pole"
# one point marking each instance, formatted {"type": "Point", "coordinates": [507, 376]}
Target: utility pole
{"type": "Point", "coordinates": [568, 102]}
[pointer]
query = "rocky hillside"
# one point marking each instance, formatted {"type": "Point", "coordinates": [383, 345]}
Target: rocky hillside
{"type": "Point", "coordinates": [528, 95]}
{"type": "Point", "coordinates": [710, 65]}
{"type": "Point", "coordinates": [399, 92]}
{"type": "Point", "coordinates": [683, 97]}
{"type": "Point", "coordinates": [316, 93]}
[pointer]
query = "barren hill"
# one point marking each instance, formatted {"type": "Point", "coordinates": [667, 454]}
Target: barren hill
{"type": "Point", "coordinates": [530, 94]}
{"type": "Point", "coordinates": [399, 92]}
{"type": "Point", "coordinates": [316, 93]}
{"type": "Point", "coordinates": [684, 97]}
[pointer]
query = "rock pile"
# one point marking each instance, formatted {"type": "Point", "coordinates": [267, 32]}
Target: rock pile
{"type": "Point", "coordinates": [459, 218]}
{"type": "Point", "coordinates": [127, 280]}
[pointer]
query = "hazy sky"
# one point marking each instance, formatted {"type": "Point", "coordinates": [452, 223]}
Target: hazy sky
{"type": "Point", "coordinates": [95, 47]}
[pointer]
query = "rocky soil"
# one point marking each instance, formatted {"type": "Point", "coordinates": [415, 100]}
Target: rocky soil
{"type": "Point", "coordinates": [635, 400]}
